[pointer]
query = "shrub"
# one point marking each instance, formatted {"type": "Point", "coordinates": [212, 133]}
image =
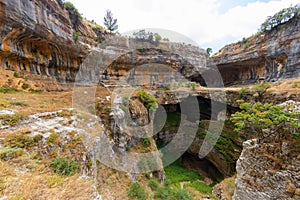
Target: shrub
{"type": "Point", "coordinates": [9, 153]}
{"type": "Point", "coordinates": [149, 100]}
{"type": "Point", "coordinates": [122, 107]}
{"type": "Point", "coordinates": [69, 6]}
{"type": "Point", "coordinates": [244, 91]}
{"type": "Point", "coordinates": [125, 100]}
{"type": "Point", "coordinates": [280, 17]}
{"type": "Point", "coordinates": [25, 86]}
{"type": "Point", "coordinates": [153, 184]}
{"type": "Point", "coordinates": [64, 166]}
{"type": "Point", "coordinates": [183, 195]}
{"type": "Point", "coordinates": [12, 119]}
{"type": "Point", "coordinates": [19, 141]}
{"type": "Point", "coordinates": [146, 141]}
{"type": "Point", "coordinates": [261, 117]}
{"type": "Point", "coordinates": [76, 36]}
{"type": "Point", "coordinates": [164, 193]}
{"type": "Point", "coordinates": [52, 138]}
{"type": "Point", "coordinates": [261, 88]}
{"type": "Point", "coordinates": [136, 191]}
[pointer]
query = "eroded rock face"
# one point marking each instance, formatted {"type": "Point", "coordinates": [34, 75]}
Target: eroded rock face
{"type": "Point", "coordinates": [38, 37]}
{"type": "Point", "coordinates": [267, 171]}
{"type": "Point", "coordinates": [266, 56]}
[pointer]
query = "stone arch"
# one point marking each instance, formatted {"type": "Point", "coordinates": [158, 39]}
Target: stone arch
{"type": "Point", "coordinates": [153, 59]}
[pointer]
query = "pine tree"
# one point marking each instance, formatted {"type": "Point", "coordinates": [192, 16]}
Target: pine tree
{"type": "Point", "coordinates": [110, 22]}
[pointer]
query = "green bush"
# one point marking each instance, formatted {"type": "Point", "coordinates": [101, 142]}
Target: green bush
{"type": "Point", "coordinates": [261, 88]}
{"type": "Point", "coordinates": [69, 6]}
{"type": "Point", "coordinates": [164, 193]}
{"type": "Point", "coordinates": [25, 86]}
{"type": "Point", "coordinates": [76, 36]}
{"type": "Point", "coordinates": [244, 91]}
{"type": "Point", "coordinates": [19, 141]}
{"type": "Point", "coordinates": [125, 100]}
{"type": "Point", "coordinates": [12, 119]}
{"type": "Point", "coordinates": [10, 153]}
{"type": "Point", "coordinates": [183, 195]}
{"type": "Point", "coordinates": [153, 184]}
{"type": "Point", "coordinates": [52, 138]}
{"type": "Point", "coordinates": [280, 17]}
{"type": "Point", "coordinates": [64, 166]}
{"type": "Point", "coordinates": [149, 100]}
{"type": "Point", "coordinates": [136, 191]}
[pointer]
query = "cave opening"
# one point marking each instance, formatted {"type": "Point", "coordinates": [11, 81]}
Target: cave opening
{"type": "Point", "coordinates": [172, 122]}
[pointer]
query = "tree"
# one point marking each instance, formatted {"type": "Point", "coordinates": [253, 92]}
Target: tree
{"type": "Point", "coordinates": [142, 35]}
{"type": "Point", "coordinates": [266, 120]}
{"type": "Point", "coordinates": [209, 50]}
{"type": "Point", "coordinates": [280, 17]}
{"type": "Point", "coordinates": [110, 22]}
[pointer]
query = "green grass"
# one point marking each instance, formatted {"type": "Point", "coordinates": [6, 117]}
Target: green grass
{"type": "Point", "coordinates": [173, 118]}
{"type": "Point", "coordinates": [200, 186]}
{"type": "Point", "coordinates": [177, 173]}
{"type": "Point", "coordinates": [8, 90]}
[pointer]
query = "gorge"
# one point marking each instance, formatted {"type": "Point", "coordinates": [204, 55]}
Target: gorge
{"type": "Point", "coordinates": [52, 63]}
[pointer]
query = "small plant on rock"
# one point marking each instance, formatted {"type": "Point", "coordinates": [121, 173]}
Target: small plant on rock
{"type": "Point", "coordinates": [64, 166]}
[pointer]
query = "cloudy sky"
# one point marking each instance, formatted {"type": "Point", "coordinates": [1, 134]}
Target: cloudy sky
{"type": "Point", "coordinates": [210, 23]}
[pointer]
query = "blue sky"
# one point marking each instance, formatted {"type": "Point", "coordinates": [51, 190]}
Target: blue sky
{"type": "Point", "coordinates": [209, 23]}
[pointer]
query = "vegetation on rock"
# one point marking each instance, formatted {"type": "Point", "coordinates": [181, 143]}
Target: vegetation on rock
{"type": "Point", "coordinates": [64, 166]}
{"type": "Point", "coordinates": [280, 17]}
{"type": "Point", "coordinates": [266, 119]}
{"type": "Point", "coordinates": [69, 6]}
{"type": "Point", "coordinates": [148, 99]}
{"type": "Point", "coordinates": [151, 37]}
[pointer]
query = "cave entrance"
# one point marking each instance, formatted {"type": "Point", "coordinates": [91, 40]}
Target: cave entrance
{"type": "Point", "coordinates": [172, 122]}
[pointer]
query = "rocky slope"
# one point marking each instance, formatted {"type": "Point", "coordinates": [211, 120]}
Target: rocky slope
{"type": "Point", "coordinates": [267, 56]}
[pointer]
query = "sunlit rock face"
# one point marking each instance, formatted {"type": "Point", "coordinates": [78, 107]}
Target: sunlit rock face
{"type": "Point", "coordinates": [264, 56]}
{"type": "Point", "coordinates": [38, 37]}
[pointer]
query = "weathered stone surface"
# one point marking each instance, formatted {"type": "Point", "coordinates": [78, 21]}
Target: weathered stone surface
{"type": "Point", "coordinates": [263, 173]}
{"type": "Point", "coordinates": [267, 56]}
{"type": "Point", "coordinates": [37, 36]}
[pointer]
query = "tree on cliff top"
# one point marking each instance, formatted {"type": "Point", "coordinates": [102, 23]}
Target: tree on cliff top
{"type": "Point", "coordinates": [266, 120]}
{"type": "Point", "coordinates": [110, 22]}
{"type": "Point", "coordinates": [280, 17]}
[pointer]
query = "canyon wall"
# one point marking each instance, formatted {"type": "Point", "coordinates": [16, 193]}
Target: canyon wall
{"type": "Point", "coordinates": [38, 37]}
{"type": "Point", "coordinates": [269, 56]}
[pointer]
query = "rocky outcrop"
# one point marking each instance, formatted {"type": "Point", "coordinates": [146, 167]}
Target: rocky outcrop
{"type": "Point", "coordinates": [38, 37]}
{"type": "Point", "coordinates": [269, 168]}
{"type": "Point", "coordinates": [268, 56]}
{"type": "Point", "coordinates": [267, 171]}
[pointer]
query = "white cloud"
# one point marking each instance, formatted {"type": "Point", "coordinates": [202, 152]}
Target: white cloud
{"type": "Point", "coordinates": [201, 20]}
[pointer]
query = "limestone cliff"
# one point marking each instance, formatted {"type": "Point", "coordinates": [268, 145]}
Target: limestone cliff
{"type": "Point", "coordinates": [39, 37]}
{"type": "Point", "coordinates": [267, 56]}
{"type": "Point", "coordinates": [268, 168]}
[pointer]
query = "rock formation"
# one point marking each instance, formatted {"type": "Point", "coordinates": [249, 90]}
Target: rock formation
{"type": "Point", "coordinates": [267, 56]}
